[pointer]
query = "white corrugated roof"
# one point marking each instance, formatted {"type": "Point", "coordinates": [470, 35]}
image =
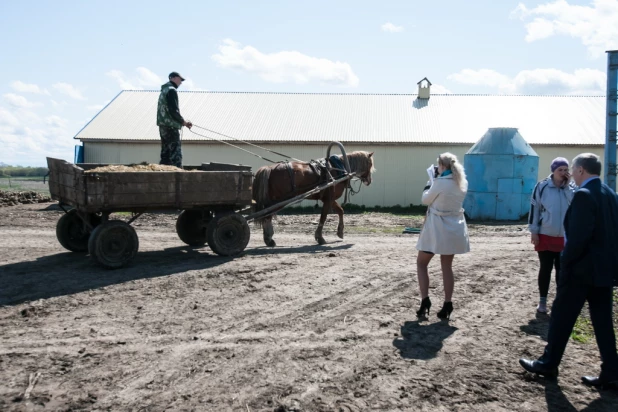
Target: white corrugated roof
{"type": "Point", "coordinates": [362, 118]}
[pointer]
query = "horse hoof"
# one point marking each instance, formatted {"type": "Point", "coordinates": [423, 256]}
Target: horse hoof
{"type": "Point", "coordinates": [321, 241]}
{"type": "Point", "coordinates": [272, 243]}
{"type": "Point", "coordinates": [340, 235]}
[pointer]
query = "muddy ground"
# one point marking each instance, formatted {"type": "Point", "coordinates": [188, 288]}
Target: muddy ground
{"type": "Point", "coordinates": [300, 327]}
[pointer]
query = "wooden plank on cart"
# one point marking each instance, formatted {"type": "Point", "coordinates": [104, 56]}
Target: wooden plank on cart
{"type": "Point", "coordinates": [221, 167]}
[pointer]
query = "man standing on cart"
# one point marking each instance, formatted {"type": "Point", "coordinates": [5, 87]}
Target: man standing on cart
{"type": "Point", "coordinates": [170, 121]}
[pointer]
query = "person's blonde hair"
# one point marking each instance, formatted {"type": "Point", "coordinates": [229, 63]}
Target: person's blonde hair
{"type": "Point", "coordinates": [450, 162]}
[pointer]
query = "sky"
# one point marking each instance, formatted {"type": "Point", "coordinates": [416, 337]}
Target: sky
{"type": "Point", "coordinates": [62, 61]}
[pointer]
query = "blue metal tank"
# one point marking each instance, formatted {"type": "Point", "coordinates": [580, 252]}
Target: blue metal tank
{"type": "Point", "coordinates": [502, 171]}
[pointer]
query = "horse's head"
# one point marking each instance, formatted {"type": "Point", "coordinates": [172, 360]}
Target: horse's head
{"type": "Point", "coordinates": [361, 163]}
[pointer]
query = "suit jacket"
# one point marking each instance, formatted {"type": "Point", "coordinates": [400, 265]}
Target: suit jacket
{"type": "Point", "coordinates": [590, 255]}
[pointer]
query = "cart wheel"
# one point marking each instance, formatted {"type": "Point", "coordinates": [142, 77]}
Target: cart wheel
{"type": "Point", "coordinates": [191, 226]}
{"type": "Point", "coordinates": [72, 233]}
{"type": "Point", "coordinates": [228, 234]}
{"type": "Point", "coordinates": [113, 244]}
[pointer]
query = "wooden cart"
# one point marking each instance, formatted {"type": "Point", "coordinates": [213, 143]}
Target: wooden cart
{"type": "Point", "coordinates": [210, 200]}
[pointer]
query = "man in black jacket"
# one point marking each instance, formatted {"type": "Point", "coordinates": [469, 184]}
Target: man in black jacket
{"type": "Point", "coordinates": [170, 121]}
{"type": "Point", "coordinates": [589, 270]}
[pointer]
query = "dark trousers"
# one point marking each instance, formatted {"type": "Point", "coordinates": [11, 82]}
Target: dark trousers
{"type": "Point", "coordinates": [570, 299]}
{"type": "Point", "coordinates": [171, 151]}
{"type": "Point", "coordinates": [549, 260]}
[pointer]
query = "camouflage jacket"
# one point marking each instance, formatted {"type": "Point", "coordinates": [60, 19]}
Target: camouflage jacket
{"type": "Point", "coordinates": [168, 113]}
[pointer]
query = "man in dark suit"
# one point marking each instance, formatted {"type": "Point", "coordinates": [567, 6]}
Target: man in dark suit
{"type": "Point", "coordinates": [589, 270]}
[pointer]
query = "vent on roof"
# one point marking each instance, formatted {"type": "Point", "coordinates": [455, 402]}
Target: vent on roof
{"type": "Point", "coordinates": [423, 88]}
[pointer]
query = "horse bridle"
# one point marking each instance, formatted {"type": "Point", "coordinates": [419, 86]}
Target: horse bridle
{"type": "Point", "coordinates": [365, 178]}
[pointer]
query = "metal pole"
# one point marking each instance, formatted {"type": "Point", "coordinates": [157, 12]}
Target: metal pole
{"type": "Point", "coordinates": [345, 156]}
{"type": "Point", "coordinates": [610, 123]}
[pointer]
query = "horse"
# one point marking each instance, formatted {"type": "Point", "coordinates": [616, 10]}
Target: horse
{"type": "Point", "coordinates": [282, 181]}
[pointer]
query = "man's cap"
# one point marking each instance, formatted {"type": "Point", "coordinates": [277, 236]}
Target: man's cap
{"type": "Point", "coordinates": [175, 74]}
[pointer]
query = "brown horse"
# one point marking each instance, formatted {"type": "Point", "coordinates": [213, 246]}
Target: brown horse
{"type": "Point", "coordinates": [282, 181]}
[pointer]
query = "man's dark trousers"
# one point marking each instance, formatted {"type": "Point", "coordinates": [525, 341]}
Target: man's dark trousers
{"type": "Point", "coordinates": [570, 299]}
{"type": "Point", "coordinates": [171, 151]}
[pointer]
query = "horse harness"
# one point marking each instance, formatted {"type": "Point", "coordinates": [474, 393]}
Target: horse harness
{"type": "Point", "coordinates": [319, 168]}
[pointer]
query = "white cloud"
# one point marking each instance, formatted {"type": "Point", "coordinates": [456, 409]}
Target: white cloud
{"type": "Point", "coordinates": [537, 81]}
{"type": "Point", "coordinates": [596, 25]}
{"type": "Point", "coordinates": [26, 138]}
{"type": "Point", "coordinates": [96, 107]}
{"type": "Point", "coordinates": [147, 78]}
{"type": "Point", "coordinates": [439, 89]}
{"type": "Point", "coordinates": [284, 66]}
{"type": "Point", "coordinates": [554, 81]}
{"type": "Point", "coordinates": [22, 87]}
{"type": "Point", "coordinates": [59, 105]}
{"type": "Point", "coordinates": [485, 77]}
{"type": "Point", "coordinates": [16, 100]}
{"type": "Point", "coordinates": [56, 121]}
{"type": "Point", "coordinates": [122, 80]}
{"type": "Point", "coordinates": [189, 84]}
{"type": "Point", "coordinates": [7, 118]}
{"type": "Point", "coordinates": [391, 28]}
{"type": "Point", "coordinates": [69, 90]}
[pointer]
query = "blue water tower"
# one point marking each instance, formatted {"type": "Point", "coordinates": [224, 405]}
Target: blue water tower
{"type": "Point", "coordinates": [502, 171]}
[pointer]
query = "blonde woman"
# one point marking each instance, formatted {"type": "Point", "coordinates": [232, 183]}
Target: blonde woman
{"type": "Point", "coordinates": [445, 232]}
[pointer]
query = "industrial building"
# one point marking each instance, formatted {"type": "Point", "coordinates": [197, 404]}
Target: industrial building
{"type": "Point", "coordinates": [406, 131]}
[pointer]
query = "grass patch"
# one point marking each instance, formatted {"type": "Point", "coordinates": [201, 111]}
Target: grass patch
{"type": "Point", "coordinates": [23, 184]}
{"type": "Point", "coordinates": [582, 332]}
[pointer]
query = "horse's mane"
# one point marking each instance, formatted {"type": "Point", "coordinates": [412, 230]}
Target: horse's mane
{"type": "Point", "coordinates": [360, 162]}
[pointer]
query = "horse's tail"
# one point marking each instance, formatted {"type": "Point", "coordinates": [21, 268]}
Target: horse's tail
{"type": "Point", "coordinates": [260, 190]}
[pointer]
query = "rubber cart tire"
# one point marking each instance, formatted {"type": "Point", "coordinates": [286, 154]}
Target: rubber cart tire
{"type": "Point", "coordinates": [228, 234]}
{"type": "Point", "coordinates": [72, 232]}
{"type": "Point", "coordinates": [113, 244]}
{"type": "Point", "coordinates": [191, 226]}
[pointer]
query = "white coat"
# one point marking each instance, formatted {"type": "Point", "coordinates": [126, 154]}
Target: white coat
{"type": "Point", "coordinates": [445, 231]}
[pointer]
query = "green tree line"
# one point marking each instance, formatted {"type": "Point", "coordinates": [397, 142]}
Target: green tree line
{"type": "Point", "coordinates": [19, 171]}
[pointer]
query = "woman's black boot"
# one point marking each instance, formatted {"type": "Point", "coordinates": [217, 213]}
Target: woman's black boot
{"type": "Point", "coordinates": [445, 312]}
{"type": "Point", "coordinates": [424, 309]}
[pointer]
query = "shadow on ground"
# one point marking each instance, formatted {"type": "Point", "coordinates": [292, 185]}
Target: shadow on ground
{"type": "Point", "coordinates": [422, 341]}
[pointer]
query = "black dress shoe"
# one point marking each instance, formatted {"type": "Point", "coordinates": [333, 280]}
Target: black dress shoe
{"type": "Point", "coordinates": [538, 367]}
{"type": "Point", "coordinates": [597, 382]}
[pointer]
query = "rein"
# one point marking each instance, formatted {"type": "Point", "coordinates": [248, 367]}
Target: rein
{"type": "Point", "coordinates": [352, 192]}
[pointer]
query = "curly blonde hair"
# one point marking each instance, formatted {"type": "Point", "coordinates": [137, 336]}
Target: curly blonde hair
{"type": "Point", "coordinates": [450, 162]}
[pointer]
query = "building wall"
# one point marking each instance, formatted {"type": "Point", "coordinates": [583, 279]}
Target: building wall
{"type": "Point", "coordinates": [399, 180]}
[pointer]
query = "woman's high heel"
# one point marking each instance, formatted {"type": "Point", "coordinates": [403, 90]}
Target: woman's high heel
{"type": "Point", "coordinates": [445, 312]}
{"type": "Point", "coordinates": [424, 309]}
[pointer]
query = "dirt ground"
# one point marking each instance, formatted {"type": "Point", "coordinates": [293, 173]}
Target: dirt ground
{"type": "Point", "coordinates": [300, 327]}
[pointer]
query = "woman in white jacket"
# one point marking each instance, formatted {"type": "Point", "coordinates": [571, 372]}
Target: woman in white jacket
{"type": "Point", "coordinates": [445, 231]}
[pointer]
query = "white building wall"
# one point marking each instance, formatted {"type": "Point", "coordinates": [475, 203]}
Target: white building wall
{"type": "Point", "coordinates": [399, 179]}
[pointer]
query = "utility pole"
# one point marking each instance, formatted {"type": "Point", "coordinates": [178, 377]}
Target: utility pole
{"type": "Point", "coordinates": [611, 132]}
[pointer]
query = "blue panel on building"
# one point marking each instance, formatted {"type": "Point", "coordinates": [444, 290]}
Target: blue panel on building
{"type": "Point", "coordinates": [502, 171]}
{"type": "Point", "coordinates": [79, 154]}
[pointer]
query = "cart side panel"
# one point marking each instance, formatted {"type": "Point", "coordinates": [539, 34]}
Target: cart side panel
{"type": "Point", "coordinates": [214, 188]}
{"type": "Point", "coordinates": [66, 182]}
{"type": "Point", "coordinates": [167, 189]}
{"type": "Point", "coordinates": [118, 190]}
